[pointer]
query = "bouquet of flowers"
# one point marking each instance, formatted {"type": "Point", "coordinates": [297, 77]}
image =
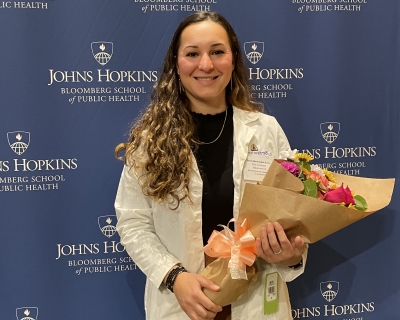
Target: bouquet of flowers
{"type": "Point", "coordinates": [306, 200]}
{"type": "Point", "coordinates": [309, 201]}
{"type": "Point", "coordinates": [320, 183]}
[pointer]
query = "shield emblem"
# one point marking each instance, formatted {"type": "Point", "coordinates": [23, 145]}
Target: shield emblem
{"type": "Point", "coordinates": [18, 141]}
{"type": "Point", "coordinates": [27, 313]}
{"type": "Point", "coordinates": [107, 225]}
{"type": "Point", "coordinates": [330, 131]}
{"type": "Point", "coordinates": [254, 50]}
{"type": "Point", "coordinates": [329, 290]}
{"type": "Point", "coordinates": [102, 51]}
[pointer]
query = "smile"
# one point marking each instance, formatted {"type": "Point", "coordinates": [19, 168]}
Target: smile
{"type": "Point", "coordinates": [206, 79]}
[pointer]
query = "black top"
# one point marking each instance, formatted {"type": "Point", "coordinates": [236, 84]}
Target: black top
{"type": "Point", "coordinates": [215, 162]}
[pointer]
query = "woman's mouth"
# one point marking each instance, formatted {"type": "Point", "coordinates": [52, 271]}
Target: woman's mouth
{"type": "Point", "coordinates": [206, 78]}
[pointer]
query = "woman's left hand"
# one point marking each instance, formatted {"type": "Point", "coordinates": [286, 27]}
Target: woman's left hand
{"type": "Point", "coordinates": [274, 247]}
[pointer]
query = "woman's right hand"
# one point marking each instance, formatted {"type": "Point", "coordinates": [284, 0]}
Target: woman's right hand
{"type": "Point", "coordinates": [188, 291]}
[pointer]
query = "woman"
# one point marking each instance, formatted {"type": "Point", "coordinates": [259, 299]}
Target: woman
{"type": "Point", "coordinates": [185, 171]}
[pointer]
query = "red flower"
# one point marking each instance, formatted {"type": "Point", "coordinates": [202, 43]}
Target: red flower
{"type": "Point", "coordinates": [340, 195]}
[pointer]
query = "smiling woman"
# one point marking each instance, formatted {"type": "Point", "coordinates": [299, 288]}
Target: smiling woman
{"type": "Point", "coordinates": [184, 175]}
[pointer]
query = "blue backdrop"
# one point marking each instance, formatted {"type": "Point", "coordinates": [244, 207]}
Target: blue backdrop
{"type": "Point", "coordinates": [75, 74]}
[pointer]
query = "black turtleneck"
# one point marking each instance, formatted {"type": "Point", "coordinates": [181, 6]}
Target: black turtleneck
{"type": "Point", "coordinates": [215, 162]}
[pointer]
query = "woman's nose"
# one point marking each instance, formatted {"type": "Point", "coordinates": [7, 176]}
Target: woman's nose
{"type": "Point", "coordinates": [205, 63]}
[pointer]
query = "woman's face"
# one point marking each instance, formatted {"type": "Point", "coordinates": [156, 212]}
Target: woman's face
{"type": "Point", "coordinates": [205, 65]}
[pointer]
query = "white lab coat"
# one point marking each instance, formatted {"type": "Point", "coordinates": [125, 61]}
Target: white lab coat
{"type": "Point", "coordinates": [157, 238]}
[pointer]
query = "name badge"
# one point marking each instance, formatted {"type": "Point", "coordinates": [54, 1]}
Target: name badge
{"type": "Point", "coordinates": [256, 165]}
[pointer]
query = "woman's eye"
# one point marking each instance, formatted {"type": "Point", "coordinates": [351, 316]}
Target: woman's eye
{"type": "Point", "coordinates": [191, 54]}
{"type": "Point", "coordinates": [218, 52]}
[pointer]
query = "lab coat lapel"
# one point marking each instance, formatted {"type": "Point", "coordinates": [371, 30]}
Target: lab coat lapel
{"type": "Point", "coordinates": [245, 126]}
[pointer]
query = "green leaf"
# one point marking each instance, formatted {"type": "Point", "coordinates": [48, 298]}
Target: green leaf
{"type": "Point", "coordinates": [310, 188]}
{"type": "Point", "coordinates": [361, 204]}
{"type": "Point", "coordinates": [306, 166]}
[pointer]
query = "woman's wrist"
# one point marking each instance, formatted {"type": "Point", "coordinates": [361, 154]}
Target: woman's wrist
{"type": "Point", "coordinates": [170, 278]}
{"type": "Point", "coordinates": [298, 265]}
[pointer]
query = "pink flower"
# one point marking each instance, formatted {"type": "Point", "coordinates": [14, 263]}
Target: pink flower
{"type": "Point", "coordinates": [340, 195]}
{"type": "Point", "coordinates": [291, 167]}
{"type": "Point", "coordinates": [317, 177]}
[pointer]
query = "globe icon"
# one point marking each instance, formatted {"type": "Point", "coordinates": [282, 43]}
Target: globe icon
{"type": "Point", "coordinates": [102, 57]}
{"type": "Point", "coordinates": [19, 147]}
{"type": "Point", "coordinates": [329, 295]}
{"type": "Point", "coordinates": [254, 57]}
{"type": "Point", "coordinates": [109, 230]}
{"type": "Point", "coordinates": [330, 136]}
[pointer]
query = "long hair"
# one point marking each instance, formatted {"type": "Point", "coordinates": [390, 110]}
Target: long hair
{"type": "Point", "coordinates": [161, 141]}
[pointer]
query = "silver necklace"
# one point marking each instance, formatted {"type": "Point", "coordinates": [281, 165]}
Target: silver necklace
{"type": "Point", "coordinates": [223, 126]}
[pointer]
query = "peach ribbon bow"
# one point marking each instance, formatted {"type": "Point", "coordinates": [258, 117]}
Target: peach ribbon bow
{"type": "Point", "coordinates": [239, 246]}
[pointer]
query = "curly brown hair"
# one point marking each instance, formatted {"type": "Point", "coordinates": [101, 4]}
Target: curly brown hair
{"type": "Point", "coordinates": [162, 140]}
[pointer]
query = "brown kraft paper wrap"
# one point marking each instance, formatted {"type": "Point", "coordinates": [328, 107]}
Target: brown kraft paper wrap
{"type": "Point", "coordinates": [278, 199]}
{"type": "Point", "coordinates": [231, 289]}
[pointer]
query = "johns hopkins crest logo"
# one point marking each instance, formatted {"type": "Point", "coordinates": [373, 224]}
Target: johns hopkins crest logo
{"type": "Point", "coordinates": [102, 51]}
{"type": "Point", "coordinates": [107, 225]}
{"type": "Point", "coordinates": [18, 141]}
{"type": "Point", "coordinates": [329, 290]}
{"type": "Point", "coordinates": [254, 51]}
{"type": "Point", "coordinates": [330, 131]}
{"type": "Point", "coordinates": [27, 313]}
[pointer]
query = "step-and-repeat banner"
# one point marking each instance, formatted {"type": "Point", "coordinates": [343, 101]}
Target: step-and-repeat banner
{"type": "Point", "coordinates": [76, 73]}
